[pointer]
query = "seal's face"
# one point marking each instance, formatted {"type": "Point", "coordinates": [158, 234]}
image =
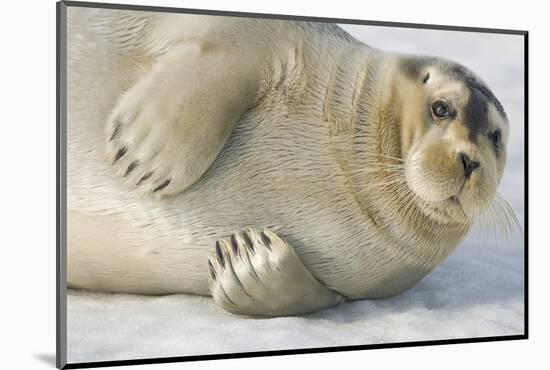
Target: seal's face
{"type": "Point", "coordinates": [455, 140]}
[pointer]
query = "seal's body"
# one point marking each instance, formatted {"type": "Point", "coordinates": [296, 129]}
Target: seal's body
{"type": "Point", "coordinates": [364, 169]}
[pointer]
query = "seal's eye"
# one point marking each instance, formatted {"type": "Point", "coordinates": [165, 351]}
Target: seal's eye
{"type": "Point", "coordinates": [495, 138]}
{"type": "Point", "coordinates": [440, 109]}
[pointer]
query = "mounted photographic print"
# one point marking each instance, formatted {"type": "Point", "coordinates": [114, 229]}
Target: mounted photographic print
{"type": "Point", "coordinates": [234, 184]}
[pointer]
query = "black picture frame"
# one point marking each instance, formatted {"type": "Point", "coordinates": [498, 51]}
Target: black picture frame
{"type": "Point", "coordinates": [61, 240]}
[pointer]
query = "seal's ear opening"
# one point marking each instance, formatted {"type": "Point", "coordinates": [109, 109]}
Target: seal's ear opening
{"type": "Point", "coordinates": [426, 78]}
{"type": "Point", "coordinates": [415, 67]}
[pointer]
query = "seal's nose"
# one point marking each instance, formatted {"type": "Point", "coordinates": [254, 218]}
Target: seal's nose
{"type": "Point", "coordinates": [469, 165]}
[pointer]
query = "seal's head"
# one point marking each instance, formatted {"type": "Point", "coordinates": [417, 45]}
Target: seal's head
{"type": "Point", "coordinates": [454, 135]}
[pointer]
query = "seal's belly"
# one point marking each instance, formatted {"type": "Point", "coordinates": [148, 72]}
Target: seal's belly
{"type": "Point", "coordinates": [270, 174]}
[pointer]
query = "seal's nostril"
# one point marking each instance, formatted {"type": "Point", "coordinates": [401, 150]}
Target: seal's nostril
{"type": "Point", "coordinates": [469, 165]}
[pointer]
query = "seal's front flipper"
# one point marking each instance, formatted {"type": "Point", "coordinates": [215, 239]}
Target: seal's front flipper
{"type": "Point", "coordinates": [258, 274]}
{"type": "Point", "coordinates": [166, 130]}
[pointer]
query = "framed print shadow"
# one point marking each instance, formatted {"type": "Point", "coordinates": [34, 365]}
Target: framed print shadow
{"type": "Point", "coordinates": [325, 184]}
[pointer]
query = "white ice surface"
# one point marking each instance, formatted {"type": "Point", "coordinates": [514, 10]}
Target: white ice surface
{"type": "Point", "coordinates": [477, 292]}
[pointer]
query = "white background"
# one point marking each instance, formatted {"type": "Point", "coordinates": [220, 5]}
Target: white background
{"type": "Point", "coordinates": [27, 153]}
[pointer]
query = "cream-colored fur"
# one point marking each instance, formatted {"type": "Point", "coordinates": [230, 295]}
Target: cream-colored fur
{"type": "Point", "coordinates": [284, 126]}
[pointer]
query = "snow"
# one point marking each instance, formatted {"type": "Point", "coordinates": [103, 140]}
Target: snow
{"type": "Point", "coordinates": [477, 292]}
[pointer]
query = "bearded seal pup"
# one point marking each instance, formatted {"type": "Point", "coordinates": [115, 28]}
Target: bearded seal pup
{"type": "Point", "coordinates": [278, 166]}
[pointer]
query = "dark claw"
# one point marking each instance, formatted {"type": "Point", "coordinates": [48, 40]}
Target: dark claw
{"type": "Point", "coordinates": [212, 271]}
{"type": "Point", "coordinates": [234, 245]}
{"type": "Point", "coordinates": [120, 153]}
{"type": "Point", "coordinates": [248, 242]}
{"type": "Point", "coordinates": [220, 254]}
{"type": "Point", "coordinates": [266, 240]}
{"type": "Point", "coordinates": [227, 297]}
{"type": "Point", "coordinates": [145, 177]}
{"type": "Point", "coordinates": [130, 168]}
{"type": "Point", "coordinates": [162, 186]}
{"type": "Point", "coordinates": [116, 132]}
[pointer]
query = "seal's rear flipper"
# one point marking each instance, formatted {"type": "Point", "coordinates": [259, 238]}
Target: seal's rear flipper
{"type": "Point", "coordinates": [258, 274]}
{"type": "Point", "coordinates": [166, 130]}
